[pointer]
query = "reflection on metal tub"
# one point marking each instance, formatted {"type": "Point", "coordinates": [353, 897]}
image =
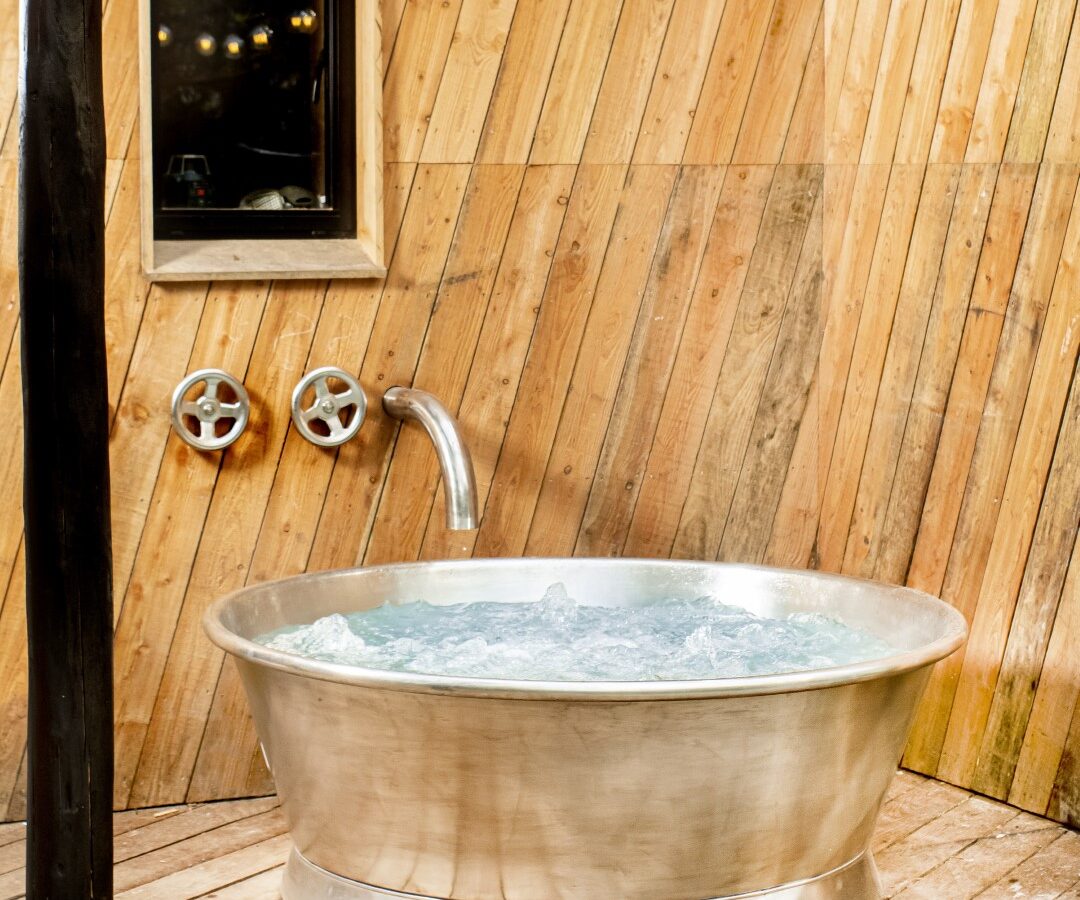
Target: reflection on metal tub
{"type": "Point", "coordinates": [397, 784]}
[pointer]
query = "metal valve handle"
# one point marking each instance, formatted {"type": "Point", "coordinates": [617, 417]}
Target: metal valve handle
{"type": "Point", "coordinates": [328, 406]}
{"type": "Point", "coordinates": [208, 409]}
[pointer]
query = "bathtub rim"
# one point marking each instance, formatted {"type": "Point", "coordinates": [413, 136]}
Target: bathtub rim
{"type": "Point", "coordinates": [954, 633]}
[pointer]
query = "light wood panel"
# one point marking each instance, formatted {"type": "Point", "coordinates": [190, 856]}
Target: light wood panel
{"type": "Point", "coordinates": [791, 282]}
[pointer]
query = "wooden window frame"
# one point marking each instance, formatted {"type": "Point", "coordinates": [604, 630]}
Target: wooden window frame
{"type": "Point", "coordinates": [236, 259]}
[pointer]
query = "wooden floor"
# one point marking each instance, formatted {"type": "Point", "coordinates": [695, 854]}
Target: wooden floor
{"type": "Point", "coordinates": [934, 841]}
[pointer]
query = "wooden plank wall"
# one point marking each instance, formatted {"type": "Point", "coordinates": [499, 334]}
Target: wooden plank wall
{"type": "Point", "coordinates": [780, 281]}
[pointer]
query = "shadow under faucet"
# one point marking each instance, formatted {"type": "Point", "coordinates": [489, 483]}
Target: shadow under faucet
{"type": "Point", "coordinates": [457, 469]}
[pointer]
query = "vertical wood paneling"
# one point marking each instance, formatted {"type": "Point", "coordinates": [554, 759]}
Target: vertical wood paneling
{"type": "Point", "coordinates": [779, 414]}
{"type": "Point", "coordinates": [447, 357]}
{"type": "Point", "coordinates": [905, 344]}
{"type": "Point", "coordinates": [549, 365]}
{"type": "Point", "coordinates": [628, 79]}
{"type": "Point", "coordinates": [468, 77]}
{"type": "Point", "coordinates": [591, 393]}
{"type": "Point", "coordinates": [672, 105]}
{"type": "Point", "coordinates": [790, 281]}
{"type": "Point", "coordinates": [963, 77]}
{"type": "Point", "coordinates": [1036, 609]}
{"type": "Point", "coordinates": [657, 332]}
{"type": "Point", "coordinates": [522, 82]}
{"type": "Point", "coordinates": [733, 241]}
{"type": "Point", "coordinates": [504, 339]}
{"type": "Point", "coordinates": [779, 76]}
{"type": "Point", "coordinates": [750, 351]}
{"type": "Point", "coordinates": [575, 82]}
{"type": "Point", "coordinates": [1055, 698]}
{"type": "Point", "coordinates": [728, 80]}
{"type": "Point", "coordinates": [413, 75]}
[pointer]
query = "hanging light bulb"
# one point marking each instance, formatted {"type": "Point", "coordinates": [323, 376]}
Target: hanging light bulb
{"type": "Point", "coordinates": [205, 44]}
{"type": "Point", "coordinates": [234, 46]}
{"type": "Point", "coordinates": [164, 35]}
{"type": "Point", "coordinates": [260, 37]}
{"type": "Point", "coordinates": [303, 20]}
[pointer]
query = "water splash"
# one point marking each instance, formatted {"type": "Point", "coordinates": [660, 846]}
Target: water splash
{"type": "Point", "coordinates": [558, 639]}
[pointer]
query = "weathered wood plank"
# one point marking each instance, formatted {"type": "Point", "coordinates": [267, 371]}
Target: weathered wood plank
{"type": "Point", "coordinates": [907, 813]}
{"type": "Point", "coordinates": [630, 71]}
{"type": "Point", "coordinates": [649, 361]}
{"type": "Point", "coordinates": [853, 212]}
{"type": "Point", "coordinates": [1047, 873]}
{"type": "Point", "coordinates": [413, 75]}
{"type": "Point", "coordinates": [215, 873]}
{"type": "Point", "coordinates": [973, 541]}
{"type": "Point", "coordinates": [162, 566]}
{"type": "Point", "coordinates": [504, 339]}
{"type": "Point", "coordinates": [576, 76]}
{"type": "Point", "coordinates": [867, 361]}
{"type": "Point", "coordinates": [959, 95]}
{"type": "Point", "coordinates": [518, 95]}
{"type": "Point", "coordinates": [926, 82]}
{"type": "Point", "coordinates": [891, 547]}
{"type": "Point", "coordinates": [779, 414]}
{"type": "Point", "coordinates": [805, 141]}
{"type": "Point", "coordinates": [228, 537]}
{"type": "Point", "coordinates": [750, 349]}
{"type": "Point", "coordinates": [591, 393]}
{"type": "Point", "coordinates": [264, 886]}
{"type": "Point", "coordinates": [1038, 85]}
{"type": "Point", "coordinates": [1000, 81]}
{"type": "Point", "coordinates": [921, 851]}
{"type": "Point", "coordinates": [984, 862]}
{"type": "Point", "coordinates": [155, 828]}
{"type": "Point", "coordinates": [1063, 140]}
{"type": "Point", "coordinates": [942, 509]}
{"type": "Point", "coordinates": [1000, 250]}
{"type": "Point", "coordinates": [901, 41]}
{"type": "Point", "coordinates": [1023, 650]}
{"type": "Point", "coordinates": [783, 62]}
{"type": "Point", "coordinates": [672, 104]}
{"type": "Point", "coordinates": [738, 233]}
{"type": "Point", "coordinates": [730, 76]}
{"type": "Point", "coordinates": [446, 358]}
{"type": "Point", "coordinates": [849, 111]}
{"type": "Point", "coordinates": [549, 365]}
{"type": "Point", "coordinates": [906, 340]}
{"type": "Point", "coordinates": [1055, 697]}
{"type": "Point", "coordinates": [468, 77]}
{"type": "Point", "coordinates": [187, 853]}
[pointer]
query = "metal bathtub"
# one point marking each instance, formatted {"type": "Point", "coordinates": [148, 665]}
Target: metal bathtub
{"type": "Point", "coordinates": [408, 785]}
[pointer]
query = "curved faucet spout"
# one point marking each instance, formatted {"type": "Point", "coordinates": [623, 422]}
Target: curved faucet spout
{"type": "Point", "coordinates": [457, 468]}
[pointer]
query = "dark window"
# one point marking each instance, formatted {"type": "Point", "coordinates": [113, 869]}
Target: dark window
{"type": "Point", "coordinates": [254, 129]}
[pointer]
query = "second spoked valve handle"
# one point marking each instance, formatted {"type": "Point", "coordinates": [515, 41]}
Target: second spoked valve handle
{"type": "Point", "coordinates": [326, 415]}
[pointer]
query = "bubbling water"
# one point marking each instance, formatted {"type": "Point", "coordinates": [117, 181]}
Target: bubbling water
{"type": "Point", "coordinates": [558, 639]}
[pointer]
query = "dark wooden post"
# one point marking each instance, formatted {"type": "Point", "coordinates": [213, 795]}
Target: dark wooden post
{"type": "Point", "coordinates": [66, 490]}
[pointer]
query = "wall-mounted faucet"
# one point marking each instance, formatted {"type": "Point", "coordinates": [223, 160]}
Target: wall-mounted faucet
{"type": "Point", "coordinates": [457, 469]}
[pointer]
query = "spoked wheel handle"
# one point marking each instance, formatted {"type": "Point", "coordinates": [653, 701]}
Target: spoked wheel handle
{"type": "Point", "coordinates": [328, 407]}
{"type": "Point", "coordinates": [208, 409]}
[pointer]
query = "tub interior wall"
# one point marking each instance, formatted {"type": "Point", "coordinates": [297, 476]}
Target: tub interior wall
{"type": "Point", "coordinates": [763, 282]}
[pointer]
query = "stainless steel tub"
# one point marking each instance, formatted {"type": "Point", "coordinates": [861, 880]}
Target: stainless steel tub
{"type": "Point", "coordinates": [420, 785]}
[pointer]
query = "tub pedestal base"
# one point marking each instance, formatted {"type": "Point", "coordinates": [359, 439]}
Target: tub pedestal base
{"type": "Point", "coordinates": [857, 880]}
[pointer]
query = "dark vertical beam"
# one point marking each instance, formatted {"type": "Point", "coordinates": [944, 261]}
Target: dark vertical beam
{"type": "Point", "coordinates": [66, 491]}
